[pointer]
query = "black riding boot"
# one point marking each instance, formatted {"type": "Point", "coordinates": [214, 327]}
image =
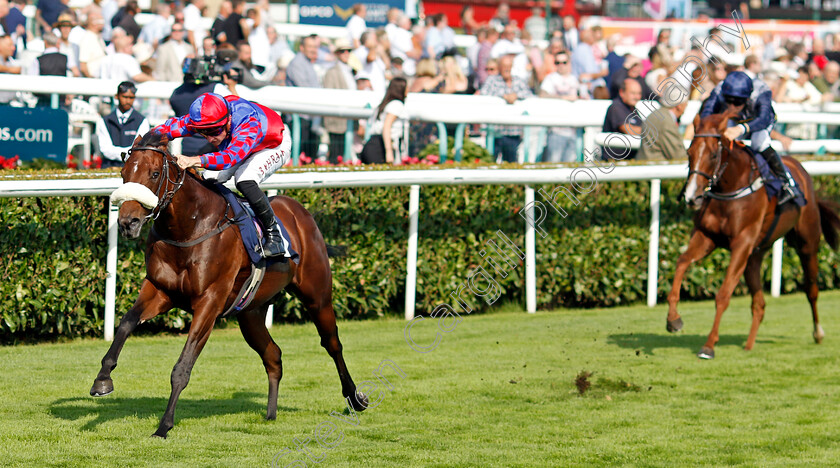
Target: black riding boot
{"type": "Point", "coordinates": [272, 241]}
{"type": "Point", "coordinates": [778, 168]}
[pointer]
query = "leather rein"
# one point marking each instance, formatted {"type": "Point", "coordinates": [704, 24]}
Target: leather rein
{"type": "Point", "coordinates": [714, 178]}
{"type": "Point", "coordinates": [165, 196]}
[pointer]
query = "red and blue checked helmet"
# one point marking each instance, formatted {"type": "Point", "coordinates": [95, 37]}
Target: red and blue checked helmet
{"type": "Point", "coordinates": [210, 110]}
{"type": "Point", "coordinates": [737, 84]}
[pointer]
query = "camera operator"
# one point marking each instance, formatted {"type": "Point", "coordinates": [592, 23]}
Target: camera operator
{"type": "Point", "coordinates": [206, 74]}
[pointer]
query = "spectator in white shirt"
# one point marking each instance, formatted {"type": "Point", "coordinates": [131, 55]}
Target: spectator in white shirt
{"type": "Point", "coordinates": [65, 26]}
{"type": "Point", "coordinates": [356, 25]}
{"type": "Point", "coordinates": [561, 84]}
{"type": "Point", "coordinates": [192, 22]}
{"type": "Point", "coordinates": [801, 91]}
{"type": "Point", "coordinates": [92, 47]}
{"type": "Point", "coordinates": [121, 65]}
{"type": "Point", "coordinates": [370, 54]}
{"type": "Point", "coordinates": [399, 35]}
{"type": "Point", "coordinates": [509, 44]}
{"type": "Point", "coordinates": [258, 37]}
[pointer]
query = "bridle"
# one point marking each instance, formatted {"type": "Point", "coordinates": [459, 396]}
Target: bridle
{"type": "Point", "coordinates": [168, 194]}
{"type": "Point", "coordinates": [715, 176]}
{"type": "Point", "coordinates": [163, 192]}
{"type": "Point", "coordinates": [712, 178]}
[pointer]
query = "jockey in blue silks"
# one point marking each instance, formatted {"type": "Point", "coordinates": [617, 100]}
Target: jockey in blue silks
{"type": "Point", "coordinates": [755, 119]}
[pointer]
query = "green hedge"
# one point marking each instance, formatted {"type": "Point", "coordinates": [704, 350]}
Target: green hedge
{"type": "Point", "coordinates": [53, 254]}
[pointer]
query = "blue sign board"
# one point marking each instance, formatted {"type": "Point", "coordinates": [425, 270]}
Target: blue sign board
{"type": "Point", "coordinates": [29, 133]}
{"type": "Point", "coordinates": [337, 12]}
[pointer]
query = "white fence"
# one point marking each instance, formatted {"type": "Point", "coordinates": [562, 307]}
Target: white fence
{"type": "Point", "coordinates": [544, 174]}
{"type": "Point", "coordinates": [445, 108]}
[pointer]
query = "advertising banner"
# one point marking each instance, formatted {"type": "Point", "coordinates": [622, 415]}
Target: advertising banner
{"type": "Point", "coordinates": [30, 133]}
{"type": "Point", "coordinates": [337, 12]}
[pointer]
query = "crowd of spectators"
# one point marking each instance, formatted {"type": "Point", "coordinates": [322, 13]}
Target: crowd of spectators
{"type": "Point", "coordinates": [563, 59]}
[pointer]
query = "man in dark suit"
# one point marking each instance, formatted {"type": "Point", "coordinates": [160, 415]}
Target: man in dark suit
{"type": "Point", "coordinates": [116, 131]}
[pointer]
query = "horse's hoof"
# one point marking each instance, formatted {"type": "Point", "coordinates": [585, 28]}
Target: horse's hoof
{"type": "Point", "coordinates": [674, 326]}
{"type": "Point", "coordinates": [819, 334]}
{"type": "Point", "coordinates": [158, 436]}
{"type": "Point", "coordinates": [706, 353]}
{"type": "Point", "coordinates": [102, 387]}
{"type": "Point", "coordinates": [360, 402]}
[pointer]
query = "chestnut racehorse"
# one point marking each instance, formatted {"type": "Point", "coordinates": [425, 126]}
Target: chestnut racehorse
{"type": "Point", "coordinates": [205, 276]}
{"type": "Point", "coordinates": [734, 213]}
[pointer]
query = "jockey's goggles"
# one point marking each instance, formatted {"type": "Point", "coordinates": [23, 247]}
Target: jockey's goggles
{"type": "Point", "coordinates": [735, 100]}
{"type": "Point", "coordinates": [211, 132]}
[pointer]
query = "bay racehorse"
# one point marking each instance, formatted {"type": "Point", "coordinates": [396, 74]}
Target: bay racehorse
{"type": "Point", "coordinates": [733, 212]}
{"type": "Point", "coordinates": [194, 263]}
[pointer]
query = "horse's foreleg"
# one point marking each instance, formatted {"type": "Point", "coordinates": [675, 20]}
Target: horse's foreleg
{"type": "Point", "coordinates": [319, 306]}
{"type": "Point", "coordinates": [733, 274]}
{"type": "Point", "coordinates": [149, 303]}
{"type": "Point", "coordinates": [698, 247]}
{"type": "Point", "coordinates": [252, 326]}
{"type": "Point", "coordinates": [753, 277]}
{"type": "Point", "coordinates": [202, 325]}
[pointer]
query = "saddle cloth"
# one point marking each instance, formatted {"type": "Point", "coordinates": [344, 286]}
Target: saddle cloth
{"type": "Point", "coordinates": [772, 184]}
{"type": "Point", "coordinates": [250, 230]}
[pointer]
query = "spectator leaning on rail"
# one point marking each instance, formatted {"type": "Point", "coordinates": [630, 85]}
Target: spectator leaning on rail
{"type": "Point", "coordinates": [662, 138]}
{"type": "Point", "coordinates": [253, 143]}
{"type": "Point", "coordinates": [301, 72]}
{"type": "Point", "coordinates": [511, 89]}
{"type": "Point", "coordinates": [622, 117]}
{"type": "Point", "coordinates": [756, 118]}
{"type": "Point", "coordinates": [116, 131]}
{"type": "Point", "coordinates": [7, 65]}
{"type": "Point", "coordinates": [561, 142]}
{"type": "Point", "coordinates": [388, 127]}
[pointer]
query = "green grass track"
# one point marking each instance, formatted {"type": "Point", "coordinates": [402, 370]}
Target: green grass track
{"type": "Point", "coordinates": [499, 390]}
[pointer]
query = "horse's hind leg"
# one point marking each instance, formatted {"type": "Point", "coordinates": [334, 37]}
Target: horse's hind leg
{"type": "Point", "coordinates": [753, 277]}
{"type": "Point", "coordinates": [252, 326]}
{"type": "Point", "coordinates": [149, 303]}
{"type": "Point", "coordinates": [319, 306]}
{"type": "Point", "coordinates": [811, 269]}
{"type": "Point", "coordinates": [698, 247]}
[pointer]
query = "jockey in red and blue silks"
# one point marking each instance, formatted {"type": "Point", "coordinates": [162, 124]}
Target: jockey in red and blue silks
{"type": "Point", "coordinates": [756, 119]}
{"type": "Point", "coordinates": [253, 143]}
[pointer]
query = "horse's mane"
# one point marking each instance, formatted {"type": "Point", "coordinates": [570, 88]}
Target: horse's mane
{"type": "Point", "coordinates": [153, 139]}
{"type": "Point", "coordinates": [714, 122]}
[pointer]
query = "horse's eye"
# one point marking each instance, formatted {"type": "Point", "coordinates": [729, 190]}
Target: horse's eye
{"type": "Point", "coordinates": [155, 175]}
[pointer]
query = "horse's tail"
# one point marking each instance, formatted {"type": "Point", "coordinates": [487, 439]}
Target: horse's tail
{"type": "Point", "coordinates": [341, 250]}
{"type": "Point", "coordinates": [830, 222]}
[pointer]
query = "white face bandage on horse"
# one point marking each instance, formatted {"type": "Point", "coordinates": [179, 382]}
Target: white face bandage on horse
{"type": "Point", "coordinates": [133, 191]}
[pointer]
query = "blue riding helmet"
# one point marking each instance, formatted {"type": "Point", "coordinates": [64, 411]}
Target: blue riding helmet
{"type": "Point", "coordinates": [737, 84]}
